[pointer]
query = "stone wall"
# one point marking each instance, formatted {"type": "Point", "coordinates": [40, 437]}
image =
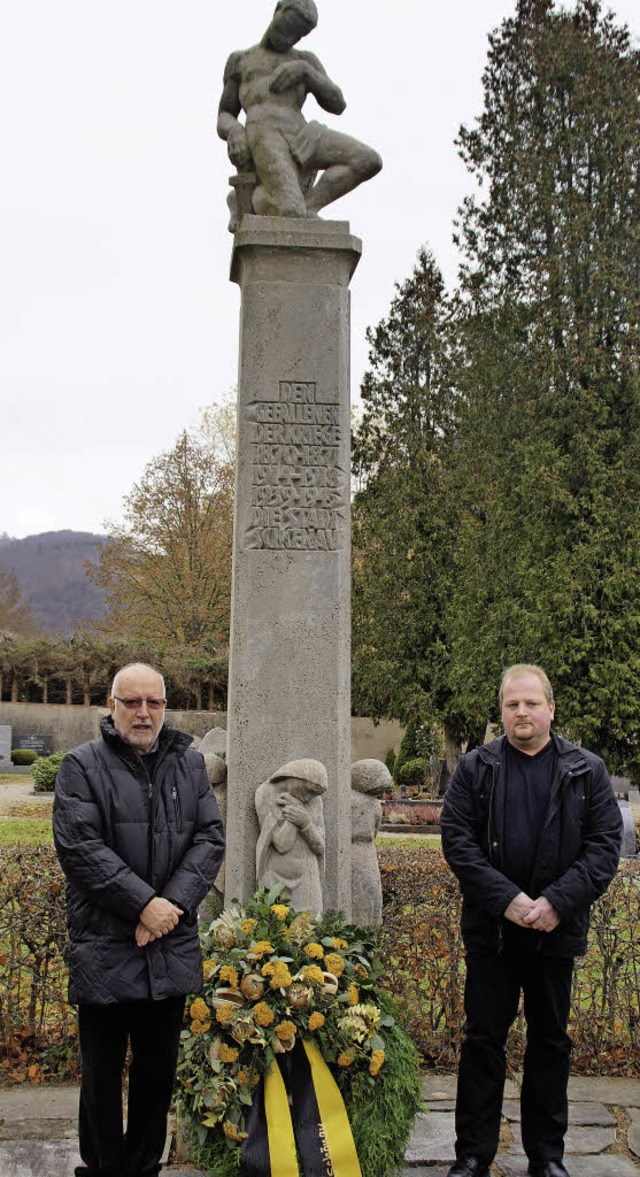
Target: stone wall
{"type": "Point", "coordinates": [66, 727]}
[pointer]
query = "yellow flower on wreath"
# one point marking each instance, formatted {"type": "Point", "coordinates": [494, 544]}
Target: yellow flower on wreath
{"type": "Point", "coordinates": [228, 1054]}
{"type": "Point", "coordinates": [338, 943]}
{"type": "Point", "coordinates": [316, 1021]}
{"type": "Point", "coordinates": [199, 1010]}
{"type": "Point", "coordinates": [262, 948]}
{"type": "Point", "coordinates": [285, 1031]}
{"type": "Point", "coordinates": [312, 973]}
{"type": "Point", "coordinates": [232, 1132]}
{"type": "Point", "coordinates": [353, 994]}
{"type": "Point", "coordinates": [280, 910]}
{"type": "Point", "coordinates": [225, 1012]}
{"type": "Point", "coordinates": [346, 1057]}
{"type": "Point", "coordinates": [209, 967]}
{"type": "Point", "coordinates": [334, 963]}
{"type": "Point", "coordinates": [279, 973]}
{"type": "Point", "coordinates": [228, 973]}
{"type": "Point", "coordinates": [263, 1014]}
{"type": "Point", "coordinates": [248, 927]}
{"type": "Point", "coordinates": [377, 1059]}
{"type": "Point", "coordinates": [315, 951]}
{"type": "Point", "coordinates": [198, 1027]}
{"type": "Point", "coordinates": [361, 972]}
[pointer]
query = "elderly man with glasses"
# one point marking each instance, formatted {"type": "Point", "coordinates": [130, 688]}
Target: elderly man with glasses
{"type": "Point", "coordinates": [139, 838]}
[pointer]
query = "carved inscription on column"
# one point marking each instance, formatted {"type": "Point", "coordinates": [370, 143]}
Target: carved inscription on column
{"type": "Point", "coordinates": [299, 481]}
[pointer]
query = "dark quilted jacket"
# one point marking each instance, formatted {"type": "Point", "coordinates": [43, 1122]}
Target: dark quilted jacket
{"type": "Point", "coordinates": [577, 854]}
{"type": "Point", "coordinates": [120, 842]}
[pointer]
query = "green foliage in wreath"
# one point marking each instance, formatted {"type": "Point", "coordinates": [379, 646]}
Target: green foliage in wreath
{"type": "Point", "coordinates": [273, 977]}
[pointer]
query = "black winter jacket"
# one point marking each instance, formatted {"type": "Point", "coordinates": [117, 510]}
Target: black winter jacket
{"type": "Point", "coordinates": [121, 841]}
{"type": "Point", "coordinates": [577, 853]}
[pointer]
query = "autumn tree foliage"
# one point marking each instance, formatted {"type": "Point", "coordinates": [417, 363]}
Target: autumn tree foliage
{"type": "Point", "coordinates": [166, 569]}
{"type": "Point", "coordinates": [15, 612]}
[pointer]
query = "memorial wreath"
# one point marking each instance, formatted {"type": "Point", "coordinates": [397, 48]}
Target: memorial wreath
{"type": "Point", "coordinates": [294, 1051]}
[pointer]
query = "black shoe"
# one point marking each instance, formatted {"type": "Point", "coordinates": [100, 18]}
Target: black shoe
{"type": "Point", "coordinates": [547, 1169]}
{"type": "Point", "coordinates": [469, 1167]}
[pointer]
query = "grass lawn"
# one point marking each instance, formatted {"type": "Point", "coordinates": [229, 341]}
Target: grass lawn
{"type": "Point", "coordinates": [25, 831]}
{"type": "Point", "coordinates": [416, 842]}
{"type": "Point", "coordinates": [25, 820]}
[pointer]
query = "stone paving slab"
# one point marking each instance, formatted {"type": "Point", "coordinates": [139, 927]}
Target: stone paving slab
{"type": "Point", "coordinates": [607, 1166]}
{"type": "Point", "coordinates": [37, 1129]}
{"type": "Point", "coordinates": [578, 1141]}
{"type": "Point", "coordinates": [432, 1139]}
{"type": "Point", "coordinates": [613, 1092]}
{"type": "Point", "coordinates": [32, 1158]}
{"type": "Point", "coordinates": [633, 1135]}
{"type": "Point", "coordinates": [25, 1101]}
{"type": "Point", "coordinates": [443, 1087]}
{"type": "Point", "coordinates": [579, 1113]}
{"type": "Point", "coordinates": [426, 1171]}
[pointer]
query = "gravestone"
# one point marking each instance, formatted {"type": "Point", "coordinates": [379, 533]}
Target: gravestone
{"type": "Point", "coordinates": [628, 831]}
{"type": "Point", "coordinates": [5, 746]}
{"type": "Point", "coordinates": [40, 744]}
{"type": "Point", "coordinates": [621, 785]}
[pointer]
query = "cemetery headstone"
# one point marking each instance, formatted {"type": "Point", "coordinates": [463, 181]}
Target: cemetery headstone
{"type": "Point", "coordinates": [5, 745]}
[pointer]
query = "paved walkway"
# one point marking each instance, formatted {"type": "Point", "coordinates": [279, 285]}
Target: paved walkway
{"type": "Point", "coordinates": [20, 789]}
{"type": "Point", "coordinates": [38, 1131]}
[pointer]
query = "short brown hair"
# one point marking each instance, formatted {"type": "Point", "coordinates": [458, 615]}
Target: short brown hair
{"type": "Point", "coordinates": [526, 668]}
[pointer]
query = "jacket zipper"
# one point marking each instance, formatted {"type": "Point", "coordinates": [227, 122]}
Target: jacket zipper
{"type": "Point", "coordinates": [495, 772]}
{"type": "Point", "coordinates": [150, 833]}
{"type": "Point", "coordinates": [178, 808]}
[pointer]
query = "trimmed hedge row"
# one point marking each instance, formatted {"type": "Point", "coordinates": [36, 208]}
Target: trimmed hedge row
{"type": "Point", "coordinates": [425, 966]}
{"type": "Point", "coordinates": [420, 946]}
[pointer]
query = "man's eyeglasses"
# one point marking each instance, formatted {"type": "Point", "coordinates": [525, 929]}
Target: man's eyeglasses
{"type": "Point", "coordinates": [136, 704]}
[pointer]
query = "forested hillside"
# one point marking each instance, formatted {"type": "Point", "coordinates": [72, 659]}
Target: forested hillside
{"type": "Point", "coordinates": [50, 570]}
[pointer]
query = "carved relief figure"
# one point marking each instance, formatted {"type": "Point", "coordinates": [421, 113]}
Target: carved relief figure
{"type": "Point", "coordinates": [290, 847]}
{"type": "Point", "coordinates": [276, 151]}
{"type": "Point", "coordinates": [369, 780]}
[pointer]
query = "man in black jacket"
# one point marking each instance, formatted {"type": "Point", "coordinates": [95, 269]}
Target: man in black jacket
{"type": "Point", "coordinates": [532, 830]}
{"type": "Point", "coordinates": [139, 837]}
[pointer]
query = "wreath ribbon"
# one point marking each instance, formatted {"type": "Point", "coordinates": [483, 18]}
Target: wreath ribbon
{"type": "Point", "coordinates": [317, 1122]}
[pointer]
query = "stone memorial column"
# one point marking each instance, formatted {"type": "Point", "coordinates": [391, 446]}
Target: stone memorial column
{"type": "Point", "coordinates": [289, 678]}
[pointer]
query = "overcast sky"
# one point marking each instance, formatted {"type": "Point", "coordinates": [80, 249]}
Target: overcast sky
{"type": "Point", "coordinates": [117, 318]}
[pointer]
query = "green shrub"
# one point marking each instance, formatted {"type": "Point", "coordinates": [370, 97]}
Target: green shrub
{"type": "Point", "coordinates": [390, 760]}
{"type": "Point", "coordinates": [414, 774]}
{"type": "Point", "coordinates": [45, 772]}
{"type": "Point", "coordinates": [22, 757]}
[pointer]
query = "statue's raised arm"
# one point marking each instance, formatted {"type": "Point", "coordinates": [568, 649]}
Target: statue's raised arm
{"type": "Point", "coordinates": [287, 167]}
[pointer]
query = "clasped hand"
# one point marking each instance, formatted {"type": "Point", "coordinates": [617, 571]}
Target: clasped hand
{"type": "Point", "coordinates": [293, 810]}
{"type": "Point", "coordinates": [157, 919]}
{"type": "Point", "coordinates": [538, 914]}
{"type": "Point", "coordinates": [290, 74]}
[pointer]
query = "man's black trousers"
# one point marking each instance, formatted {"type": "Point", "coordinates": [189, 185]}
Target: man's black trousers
{"type": "Point", "coordinates": [492, 995]}
{"type": "Point", "coordinates": [153, 1030]}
